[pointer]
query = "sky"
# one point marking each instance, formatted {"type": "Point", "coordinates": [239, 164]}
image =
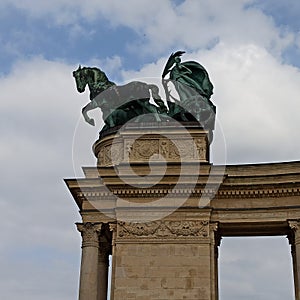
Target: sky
{"type": "Point", "coordinates": [251, 49]}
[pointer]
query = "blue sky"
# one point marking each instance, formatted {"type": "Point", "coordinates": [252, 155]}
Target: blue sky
{"type": "Point", "coordinates": [28, 32]}
{"type": "Point", "coordinates": [26, 37]}
{"type": "Point", "coordinates": [251, 49]}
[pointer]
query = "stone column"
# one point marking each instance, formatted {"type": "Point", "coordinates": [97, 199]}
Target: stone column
{"type": "Point", "coordinates": [113, 229]}
{"type": "Point", "coordinates": [215, 243]}
{"type": "Point", "coordinates": [103, 264]}
{"type": "Point", "coordinates": [88, 287]}
{"type": "Point", "coordinates": [295, 246]}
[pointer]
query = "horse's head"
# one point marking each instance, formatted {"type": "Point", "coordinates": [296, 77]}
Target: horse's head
{"type": "Point", "coordinates": [80, 79]}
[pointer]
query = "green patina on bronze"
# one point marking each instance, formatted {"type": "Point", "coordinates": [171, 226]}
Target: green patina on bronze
{"type": "Point", "coordinates": [118, 103]}
{"type": "Point", "coordinates": [122, 103]}
{"type": "Point", "coordinates": [194, 88]}
{"type": "Point", "coordinates": [189, 73]}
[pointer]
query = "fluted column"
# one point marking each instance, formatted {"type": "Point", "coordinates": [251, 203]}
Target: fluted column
{"type": "Point", "coordinates": [295, 246]}
{"type": "Point", "coordinates": [88, 288]}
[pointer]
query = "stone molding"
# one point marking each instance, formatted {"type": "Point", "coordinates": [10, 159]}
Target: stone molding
{"type": "Point", "coordinates": [258, 192]}
{"type": "Point", "coordinates": [220, 194]}
{"type": "Point", "coordinates": [90, 233]}
{"type": "Point", "coordinates": [164, 229]}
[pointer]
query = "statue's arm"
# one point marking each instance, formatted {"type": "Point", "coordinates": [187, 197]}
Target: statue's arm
{"type": "Point", "coordinates": [184, 69]}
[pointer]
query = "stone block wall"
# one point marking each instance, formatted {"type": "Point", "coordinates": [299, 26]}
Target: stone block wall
{"type": "Point", "coordinates": [162, 271]}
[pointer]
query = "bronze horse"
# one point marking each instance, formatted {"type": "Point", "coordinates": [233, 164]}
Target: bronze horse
{"type": "Point", "coordinates": [118, 103]}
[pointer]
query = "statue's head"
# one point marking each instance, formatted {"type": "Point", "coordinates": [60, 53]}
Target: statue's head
{"type": "Point", "coordinates": [177, 59]}
{"type": "Point", "coordinates": [80, 79]}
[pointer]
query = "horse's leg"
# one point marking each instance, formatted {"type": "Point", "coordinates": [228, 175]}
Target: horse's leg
{"type": "Point", "coordinates": [157, 99]}
{"type": "Point", "coordinates": [110, 119]}
{"type": "Point", "coordinates": [148, 107]}
{"type": "Point", "coordinates": [121, 117]}
{"type": "Point", "coordinates": [91, 105]}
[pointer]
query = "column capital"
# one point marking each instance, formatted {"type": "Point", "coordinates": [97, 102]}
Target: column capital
{"type": "Point", "coordinates": [214, 232]}
{"type": "Point", "coordinates": [214, 226]}
{"type": "Point", "coordinates": [90, 233]}
{"type": "Point", "coordinates": [113, 229]}
{"type": "Point", "coordinates": [295, 226]}
{"type": "Point", "coordinates": [112, 226]}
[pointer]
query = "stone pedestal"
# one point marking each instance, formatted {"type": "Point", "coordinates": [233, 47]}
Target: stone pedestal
{"type": "Point", "coordinates": [161, 249]}
{"type": "Point", "coordinates": [137, 143]}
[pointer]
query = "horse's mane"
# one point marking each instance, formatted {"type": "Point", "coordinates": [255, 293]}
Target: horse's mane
{"type": "Point", "coordinates": [99, 75]}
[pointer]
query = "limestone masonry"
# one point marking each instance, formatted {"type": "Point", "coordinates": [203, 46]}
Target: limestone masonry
{"type": "Point", "coordinates": [164, 228]}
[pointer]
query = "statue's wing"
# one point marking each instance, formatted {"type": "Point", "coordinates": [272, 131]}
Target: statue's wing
{"type": "Point", "coordinates": [171, 62]}
{"type": "Point", "coordinates": [200, 76]}
{"type": "Point", "coordinates": [178, 53]}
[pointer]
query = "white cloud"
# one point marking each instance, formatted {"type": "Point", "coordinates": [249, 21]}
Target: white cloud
{"type": "Point", "coordinates": [164, 25]}
{"type": "Point", "coordinates": [39, 241]}
{"type": "Point", "coordinates": [260, 94]}
{"type": "Point", "coordinates": [111, 65]}
{"type": "Point", "coordinates": [241, 258]}
{"type": "Point", "coordinates": [255, 93]}
{"type": "Point", "coordinates": [77, 31]}
{"type": "Point", "coordinates": [62, 11]}
{"type": "Point", "coordinates": [256, 98]}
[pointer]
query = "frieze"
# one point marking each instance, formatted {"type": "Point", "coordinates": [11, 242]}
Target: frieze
{"type": "Point", "coordinates": [143, 149]}
{"type": "Point", "coordinates": [164, 147]}
{"type": "Point", "coordinates": [110, 154]}
{"type": "Point", "coordinates": [173, 148]}
{"type": "Point", "coordinates": [116, 153]}
{"type": "Point", "coordinates": [105, 156]}
{"type": "Point", "coordinates": [181, 149]}
{"type": "Point", "coordinates": [223, 214]}
{"type": "Point", "coordinates": [201, 146]}
{"type": "Point", "coordinates": [164, 229]}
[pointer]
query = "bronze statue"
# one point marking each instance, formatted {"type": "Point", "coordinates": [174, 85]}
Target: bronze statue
{"type": "Point", "coordinates": [118, 103]}
{"type": "Point", "coordinates": [189, 73]}
{"type": "Point", "coordinates": [122, 103]}
{"type": "Point", "coordinates": [194, 88]}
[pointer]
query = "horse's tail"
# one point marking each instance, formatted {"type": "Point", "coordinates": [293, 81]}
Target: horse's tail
{"type": "Point", "coordinates": [155, 91]}
{"type": "Point", "coordinates": [157, 99]}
